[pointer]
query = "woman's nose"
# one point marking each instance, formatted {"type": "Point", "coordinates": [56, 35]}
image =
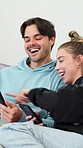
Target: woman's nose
{"type": "Point", "coordinates": [57, 66]}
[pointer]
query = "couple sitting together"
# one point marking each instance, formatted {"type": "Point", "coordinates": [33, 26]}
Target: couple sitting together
{"type": "Point", "coordinates": [65, 106]}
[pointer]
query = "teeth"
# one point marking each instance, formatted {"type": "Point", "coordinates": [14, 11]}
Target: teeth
{"type": "Point", "coordinates": [34, 50]}
{"type": "Point", "coordinates": [61, 74]}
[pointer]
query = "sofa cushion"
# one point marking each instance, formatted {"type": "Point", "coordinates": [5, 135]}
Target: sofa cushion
{"type": "Point", "coordinates": [3, 65]}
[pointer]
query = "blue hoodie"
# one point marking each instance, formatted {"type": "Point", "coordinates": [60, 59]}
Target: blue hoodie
{"type": "Point", "coordinates": [15, 78]}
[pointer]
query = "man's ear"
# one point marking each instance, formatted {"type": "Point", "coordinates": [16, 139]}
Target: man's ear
{"type": "Point", "coordinates": [52, 40]}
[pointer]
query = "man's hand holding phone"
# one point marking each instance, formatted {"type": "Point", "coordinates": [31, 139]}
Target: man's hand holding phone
{"type": "Point", "coordinates": [9, 111]}
{"type": "Point", "coordinates": [13, 113]}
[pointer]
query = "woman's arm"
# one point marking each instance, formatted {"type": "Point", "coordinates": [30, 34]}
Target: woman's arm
{"type": "Point", "coordinates": [64, 106]}
{"type": "Point", "coordinates": [46, 99]}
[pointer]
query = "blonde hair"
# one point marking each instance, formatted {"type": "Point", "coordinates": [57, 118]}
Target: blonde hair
{"type": "Point", "coordinates": [75, 45]}
{"type": "Point", "coordinates": [75, 36]}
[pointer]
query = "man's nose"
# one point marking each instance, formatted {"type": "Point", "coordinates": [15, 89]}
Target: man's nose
{"type": "Point", "coordinates": [32, 41]}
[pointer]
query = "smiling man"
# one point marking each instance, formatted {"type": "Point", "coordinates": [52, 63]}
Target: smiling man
{"type": "Point", "coordinates": [37, 46]}
{"type": "Point", "coordinates": [36, 70]}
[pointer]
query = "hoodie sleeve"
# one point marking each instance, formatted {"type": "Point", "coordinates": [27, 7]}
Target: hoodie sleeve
{"type": "Point", "coordinates": [44, 98]}
{"type": "Point", "coordinates": [65, 106]}
{"type": "Point", "coordinates": [33, 95]}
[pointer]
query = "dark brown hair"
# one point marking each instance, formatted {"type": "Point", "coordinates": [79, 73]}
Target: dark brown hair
{"type": "Point", "coordinates": [44, 26]}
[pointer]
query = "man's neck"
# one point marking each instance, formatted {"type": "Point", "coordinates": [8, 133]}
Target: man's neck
{"type": "Point", "coordinates": [34, 65]}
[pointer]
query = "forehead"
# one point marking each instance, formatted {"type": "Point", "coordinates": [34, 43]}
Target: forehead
{"type": "Point", "coordinates": [31, 30]}
{"type": "Point", "coordinates": [63, 53]}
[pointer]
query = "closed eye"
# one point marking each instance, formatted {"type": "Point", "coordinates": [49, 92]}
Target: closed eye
{"type": "Point", "coordinates": [38, 37]}
{"type": "Point", "coordinates": [61, 61]}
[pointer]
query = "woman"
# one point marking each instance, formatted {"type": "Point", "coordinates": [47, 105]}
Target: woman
{"type": "Point", "coordinates": [65, 106]}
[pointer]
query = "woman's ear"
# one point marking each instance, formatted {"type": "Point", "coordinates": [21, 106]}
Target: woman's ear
{"type": "Point", "coordinates": [81, 57]}
{"type": "Point", "coordinates": [80, 60]}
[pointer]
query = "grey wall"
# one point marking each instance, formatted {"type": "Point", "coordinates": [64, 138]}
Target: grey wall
{"type": "Point", "coordinates": [65, 14]}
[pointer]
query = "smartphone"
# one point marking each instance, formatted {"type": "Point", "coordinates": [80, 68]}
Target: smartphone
{"type": "Point", "coordinates": [2, 101]}
{"type": "Point", "coordinates": [28, 111]}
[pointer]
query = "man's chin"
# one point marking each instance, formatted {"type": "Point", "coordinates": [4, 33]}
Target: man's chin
{"type": "Point", "coordinates": [35, 60]}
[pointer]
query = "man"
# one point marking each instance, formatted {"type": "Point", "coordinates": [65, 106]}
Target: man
{"type": "Point", "coordinates": [34, 71]}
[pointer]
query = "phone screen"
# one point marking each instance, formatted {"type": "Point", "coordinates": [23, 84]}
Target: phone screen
{"type": "Point", "coordinates": [2, 101]}
{"type": "Point", "coordinates": [28, 111]}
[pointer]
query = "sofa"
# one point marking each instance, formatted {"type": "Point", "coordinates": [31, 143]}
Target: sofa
{"type": "Point", "coordinates": [3, 65]}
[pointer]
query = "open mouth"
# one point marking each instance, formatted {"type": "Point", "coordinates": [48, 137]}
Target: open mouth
{"type": "Point", "coordinates": [62, 74]}
{"type": "Point", "coordinates": [34, 50]}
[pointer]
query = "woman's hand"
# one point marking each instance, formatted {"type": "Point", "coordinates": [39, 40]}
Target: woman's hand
{"type": "Point", "coordinates": [20, 97]}
{"type": "Point", "coordinates": [34, 119]}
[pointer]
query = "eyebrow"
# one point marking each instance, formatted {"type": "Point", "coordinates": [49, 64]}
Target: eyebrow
{"type": "Point", "coordinates": [34, 35]}
{"type": "Point", "coordinates": [60, 57]}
